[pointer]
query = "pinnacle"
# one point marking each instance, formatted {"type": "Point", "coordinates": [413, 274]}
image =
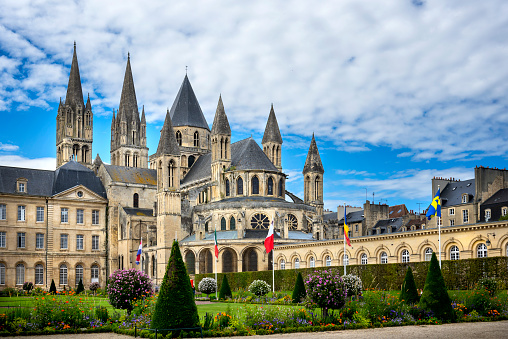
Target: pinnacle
{"type": "Point", "coordinates": [220, 121]}
{"type": "Point", "coordinates": [167, 141]}
{"type": "Point", "coordinates": [313, 162]}
{"type": "Point", "coordinates": [74, 95]}
{"type": "Point", "coordinates": [128, 102]}
{"type": "Point", "coordinates": [272, 132]}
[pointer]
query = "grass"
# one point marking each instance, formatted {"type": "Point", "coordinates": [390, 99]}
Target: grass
{"type": "Point", "coordinates": [28, 301]}
{"type": "Point", "coordinates": [238, 309]}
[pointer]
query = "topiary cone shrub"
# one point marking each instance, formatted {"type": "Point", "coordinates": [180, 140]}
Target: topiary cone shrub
{"type": "Point", "coordinates": [80, 288]}
{"type": "Point", "coordinates": [299, 292]}
{"type": "Point", "coordinates": [52, 288]}
{"type": "Point", "coordinates": [225, 290]}
{"type": "Point", "coordinates": [435, 295]}
{"type": "Point", "coordinates": [409, 293]}
{"type": "Point", "coordinates": [175, 307]}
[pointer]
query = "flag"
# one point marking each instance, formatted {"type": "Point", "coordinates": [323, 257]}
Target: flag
{"type": "Point", "coordinates": [216, 244]}
{"type": "Point", "coordinates": [269, 239]}
{"type": "Point", "coordinates": [138, 255]}
{"type": "Point", "coordinates": [346, 228]}
{"type": "Point", "coordinates": [435, 206]}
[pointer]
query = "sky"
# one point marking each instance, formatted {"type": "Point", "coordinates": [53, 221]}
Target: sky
{"type": "Point", "coordinates": [396, 92]}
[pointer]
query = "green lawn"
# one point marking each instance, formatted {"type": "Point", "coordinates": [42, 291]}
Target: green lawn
{"type": "Point", "coordinates": [238, 309]}
{"type": "Point", "coordinates": [27, 301]}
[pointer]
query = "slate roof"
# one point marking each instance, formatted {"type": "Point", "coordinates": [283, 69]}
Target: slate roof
{"type": "Point", "coordinates": [72, 174]}
{"type": "Point", "coordinates": [145, 212]}
{"type": "Point", "coordinates": [313, 162]}
{"type": "Point", "coordinates": [498, 197]}
{"type": "Point", "coordinates": [258, 234]}
{"type": "Point", "coordinates": [353, 217]}
{"type": "Point", "coordinates": [128, 103]}
{"type": "Point", "coordinates": [272, 132]}
{"type": "Point", "coordinates": [201, 169]}
{"type": "Point", "coordinates": [392, 222]}
{"type": "Point", "coordinates": [74, 96]}
{"type": "Point", "coordinates": [330, 216]}
{"type": "Point", "coordinates": [220, 121]}
{"type": "Point", "coordinates": [186, 110]}
{"type": "Point", "coordinates": [133, 175]}
{"type": "Point", "coordinates": [452, 193]}
{"type": "Point", "coordinates": [167, 141]}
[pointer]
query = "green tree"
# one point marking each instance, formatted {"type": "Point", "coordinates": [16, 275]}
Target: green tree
{"type": "Point", "coordinates": [409, 293]}
{"type": "Point", "coordinates": [175, 307]}
{"type": "Point", "coordinates": [80, 288]}
{"type": "Point", "coordinates": [225, 290]}
{"type": "Point", "coordinates": [299, 292]}
{"type": "Point", "coordinates": [435, 296]}
{"type": "Point", "coordinates": [52, 288]}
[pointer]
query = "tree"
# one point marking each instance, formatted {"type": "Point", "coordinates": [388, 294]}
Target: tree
{"type": "Point", "coordinates": [259, 287]}
{"type": "Point", "coordinates": [435, 295]}
{"type": "Point", "coordinates": [175, 307]}
{"type": "Point", "coordinates": [28, 286]}
{"type": "Point", "coordinates": [327, 290]}
{"type": "Point", "coordinates": [125, 286]}
{"type": "Point", "coordinates": [52, 288]}
{"type": "Point", "coordinates": [409, 293]}
{"type": "Point", "coordinates": [225, 290]}
{"type": "Point", "coordinates": [80, 288]}
{"type": "Point", "coordinates": [207, 286]}
{"type": "Point", "coordinates": [299, 292]}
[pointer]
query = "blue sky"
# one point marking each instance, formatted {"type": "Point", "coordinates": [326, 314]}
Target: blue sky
{"type": "Point", "coordinates": [396, 91]}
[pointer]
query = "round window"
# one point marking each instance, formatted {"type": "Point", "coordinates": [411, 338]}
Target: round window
{"type": "Point", "coordinates": [80, 194]}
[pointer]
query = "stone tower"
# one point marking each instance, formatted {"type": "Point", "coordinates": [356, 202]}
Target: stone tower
{"type": "Point", "coordinates": [191, 129]}
{"type": "Point", "coordinates": [74, 122]}
{"type": "Point", "coordinates": [128, 131]}
{"type": "Point", "coordinates": [313, 178]}
{"type": "Point", "coordinates": [221, 148]}
{"type": "Point", "coordinates": [272, 140]}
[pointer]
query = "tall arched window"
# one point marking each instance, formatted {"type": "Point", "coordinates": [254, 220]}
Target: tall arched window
{"type": "Point", "coordinates": [79, 274]}
{"type": "Point", "coordinates": [328, 261]}
{"type": "Point", "coordinates": [297, 263]}
{"type": "Point", "coordinates": [171, 170]}
{"type": "Point", "coordinates": [428, 254]}
{"type": "Point", "coordinates": [384, 258]}
{"type": "Point", "coordinates": [405, 256]}
{"type": "Point", "coordinates": [481, 251]}
{"type": "Point", "coordinates": [364, 259]}
{"type": "Point", "coordinates": [232, 223]}
{"type": "Point", "coordinates": [345, 259]}
{"type": "Point", "coordinates": [191, 160]}
{"type": "Point", "coordinates": [270, 186]}
{"type": "Point", "coordinates": [454, 253]}
{"type": "Point", "coordinates": [135, 200]}
{"type": "Point", "coordinates": [179, 138]}
{"type": "Point", "coordinates": [196, 139]}
{"type": "Point", "coordinates": [94, 273]}
{"type": "Point", "coordinates": [39, 274]}
{"type": "Point", "coordinates": [2, 274]}
{"type": "Point", "coordinates": [20, 274]}
{"type": "Point", "coordinates": [154, 267]}
{"type": "Point", "coordinates": [223, 224]}
{"type": "Point", "coordinates": [282, 264]}
{"type": "Point", "coordinates": [84, 154]}
{"type": "Point", "coordinates": [226, 148]}
{"type": "Point", "coordinates": [255, 185]}
{"type": "Point", "coordinates": [306, 188]}
{"type": "Point", "coordinates": [316, 189]}
{"type": "Point", "coordinates": [227, 187]}
{"type": "Point", "coordinates": [63, 274]}
{"type": "Point", "coordinates": [281, 188]}
{"type": "Point", "coordinates": [239, 186]}
{"type": "Point", "coordinates": [312, 262]}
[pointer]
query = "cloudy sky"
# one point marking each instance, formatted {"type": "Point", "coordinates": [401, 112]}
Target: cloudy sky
{"type": "Point", "coordinates": [396, 92]}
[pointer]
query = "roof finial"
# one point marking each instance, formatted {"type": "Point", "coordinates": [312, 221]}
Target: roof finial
{"type": "Point", "coordinates": [185, 70]}
{"type": "Point", "coordinates": [74, 44]}
{"type": "Point", "coordinates": [128, 55]}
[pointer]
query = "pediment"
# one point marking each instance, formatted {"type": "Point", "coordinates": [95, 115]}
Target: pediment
{"type": "Point", "coordinates": [79, 193]}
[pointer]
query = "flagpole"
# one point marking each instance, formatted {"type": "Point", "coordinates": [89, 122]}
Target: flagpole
{"type": "Point", "coordinates": [216, 282]}
{"type": "Point", "coordinates": [439, 227]}
{"type": "Point", "coordinates": [344, 227]}
{"type": "Point", "coordinates": [273, 257]}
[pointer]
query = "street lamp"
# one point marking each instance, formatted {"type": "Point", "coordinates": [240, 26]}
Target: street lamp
{"type": "Point", "coordinates": [488, 240]}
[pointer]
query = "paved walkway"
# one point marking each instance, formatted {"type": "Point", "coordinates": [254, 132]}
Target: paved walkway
{"type": "Point", "coordinates": [483, 330]}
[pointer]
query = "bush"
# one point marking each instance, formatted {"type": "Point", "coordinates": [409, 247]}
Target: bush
{"type": "Point", "coordinates": [28, 286]}
{"type": "Point", "coordinates": [127, 285]}
{"type": "Point", "coordinates": [327, 290]}
{"type": "Point", "coordinates": [94, 286]}
{"type": "Point", "coordinates": [488, 284]}
{"type": "Point", "coordinates": [409, 293]}
{"type": "Point", "coordinates": [435, 296]}
{"type": "Point", "coordinates": [225, 290]}
{"type": "Point", "coordinates": [101, 313]}
{"type": "Point", "coordinates": [353, 284]}
{"type": "Point", "coordinates": [259, 287]}
{"type": "Point", "coordinates": [52, 288]}
{"type": "Point", "coordinates": [299, 292]}
{"type": "Point", "coordinates": [80, 288]}
{"type": "Point", "coordinates": [207, 286]}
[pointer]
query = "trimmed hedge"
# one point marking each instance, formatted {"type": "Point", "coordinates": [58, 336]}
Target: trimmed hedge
{"type": "Point", "coordinates": [458, 274]}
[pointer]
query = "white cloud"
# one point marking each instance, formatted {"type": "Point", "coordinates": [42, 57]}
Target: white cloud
{"type": "Point", "coordinates": [8, 147]}
{"type": "Point", "coordinates": [19, 161]}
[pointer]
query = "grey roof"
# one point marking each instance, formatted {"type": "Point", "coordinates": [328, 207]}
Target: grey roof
{"type": "Point", "coordinates": [272, 132]}
{"type": "Point", "coordinates": [258, 234]}
{"type": "Point", "coordinates": [72, 174]}
{"type": "Point", "coordinates": [313, 161]}
{"type": "Point", "coordinates": [452, 193]}
{"type": "Point", "coordinates": [133, 175]}
{"type": "Point", "coordinates": [497, 198]}
{"type": "Point", "coordinates": [221, 235]}
{"type": "Point", "coordinates": [299, 235]}
{"type": "Point", "coordinates": [393, 222]}
{"type": "Point", "coordinates": [220, 121]}
{"type": "Point", "coordinates": [201, 169]}
{"type": "Point", "coordinates": [247, 155]}
{"type": "Point", "coordinates": [74, 95]}
{"type": "Point", "coordinates": [128, 103]}
{"type": "Point", "coordinates": [186, 110]}
{"type": "Point", "coordinates": [167, 141]}
{"type": "Point", "coordinates": [330, 216]}
{"type": "Point", "coordinates": [143, 212]}
{"type": "Point", "coordinates": [353, 217]}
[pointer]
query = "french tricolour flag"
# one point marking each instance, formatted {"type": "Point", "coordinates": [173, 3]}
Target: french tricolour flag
{"type": "Point", "coordinates": [138, 255]}
{"type": "Point", "coordinates": [269, 239]}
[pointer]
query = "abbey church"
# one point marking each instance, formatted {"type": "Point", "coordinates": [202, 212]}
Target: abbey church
{"type": "Point", "coordinates": [88, 218]}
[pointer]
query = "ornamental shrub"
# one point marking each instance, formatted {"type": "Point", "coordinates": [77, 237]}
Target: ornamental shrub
{"type": "Point", "coordinates": [207, 286]}
{"type": "Point", "coordinates": [327, 290]}
{"type": "Point", "coordinates": [299, 292]}
{"type": "Point", "coordinates": [225, 290]}
{"type": "Point", "coordinates": [435, 296]}
{"type": "Point", "coordinates": [127, 285]}
{"type": "Point", "coordinates": [489, 284]}
{"type": "Point", "coordinates": [175, 307]}
{"type": "Point", "coordinates": [94, 286]}
{"type": "Point", "coordinates": [80, 288]}
{"type": "Point", "coordinates": [353, 284]}
{"type": "Point", "coordinates": [409, 293]}
{"type": "Point", "coordinates": [28, 286]}
{"type": "Point", "coordinates": [259, 287]}
{"type": "Point", "coordinates": [52, 288]}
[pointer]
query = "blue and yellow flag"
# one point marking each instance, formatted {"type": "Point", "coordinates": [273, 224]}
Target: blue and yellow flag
{"type": "Point", "coordinates": [435, 206]}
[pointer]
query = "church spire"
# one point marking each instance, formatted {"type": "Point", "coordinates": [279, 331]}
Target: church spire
{"type": "Point", "coordinates": [143, 119]}
{"type": "Point", "coordinates": [272, 132]}
{"type": "Point", "coordinates": [128, 102]}
{"type": "Point", "coordinates": [313, 162]}
{"type": "Point", "coordinates": [167, 143]}
{"type": "Point", "coordinates": [74, 95]}
{"type": "Point", "coordinates": [220, 121]}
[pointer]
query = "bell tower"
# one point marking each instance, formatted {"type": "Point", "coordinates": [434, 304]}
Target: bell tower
{"type": "Point", "coordinates": [313, 178]}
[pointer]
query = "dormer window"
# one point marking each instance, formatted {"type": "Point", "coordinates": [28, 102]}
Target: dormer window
{"type": "Point", "coordinates": [487, 215]}
{"type": "Point", "coordinates": [465, 198]}
{"type": "Point", "coordinates": [21, 185]}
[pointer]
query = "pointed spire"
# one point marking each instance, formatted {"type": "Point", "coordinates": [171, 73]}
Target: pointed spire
{"type": "Point", "coordinates": [220, 122]}
{"type": "Point", "coordinates": [313, 162]}
{"type": "Point", "coordinates": [143, 119]}
{"type": "Point", "coordinates": [272, 132]}
{"type": "Point", "coordinates": [186, 110]}
{"type": "Point", "coordinates": [74, 95]}
{"type": "Point", "coordinates": [113, 120]}
{"type": "Point", "coordinates": [167, 142]}
{"type": "Point", "coordinates": [88, 103]}
{"type": "Point", "coordinates": [128, 102]}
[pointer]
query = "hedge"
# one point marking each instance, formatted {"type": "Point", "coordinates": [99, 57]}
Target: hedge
{"type": "Point", "coordinates": [458, 274]}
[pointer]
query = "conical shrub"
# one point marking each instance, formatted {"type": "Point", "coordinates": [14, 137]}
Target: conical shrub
{"type": "Point", "coordinates": [435, 295]}
{"type": "Point", "coordinates": [175, 307]}
{"type": "Point", "coordinates": [299, 292]}
{"type": "Point", "coordinates": [52, 288]}
{"type": "Point", "coordinates": [80, 288]}
{"type": "Point", "coordinates": [225, 290]}
{"type": "Point", "coordinates": [409, 293]}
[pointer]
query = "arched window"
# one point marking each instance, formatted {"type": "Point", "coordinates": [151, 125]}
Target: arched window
{"type": "Point", "coordinates": [127, 158]}
{"type": "Point", "coordinates": [79, 274]}
{"type": "Point", "coordinates": [292, 222]}
{"type": "Point", "coordinates": [270, 186]}
{"type": "Point", "coordinates": [223, 224]}
{"type": "Point", "coordinates": [75, 151]}
{"type": "Point", "coordinates": [227, 187]}
{"type": "Point", "coordinates": [84, 154]}
{"type": "Point", "coordinates": [190, 262]}
{"type": "Point", "coordinates": [171, 170]}
{"type": "Point", "coordinates": [259, 221]}
{"type": "Point", "coordinates": [282, 264]}
{"type": "Point", "coordinates": [454, 253]}
{"type": "Point", "coordinates": [135, 200]}
{"type": "Point", "coordinates": [226, 148]}
{"type": "Point", "coordinates": [328, 261]}
{"type": "Point", "coordinates": [39, 274]}
{"type": "Point", "coordinates": [364, 259]}
{"type": "Point", "coordinates": [63, 274]}
{"type": "Point", "coordinates": [297, 263]}
{"type": "Point", "coordinates": [428, 254]}
{"type": "Point", "coordinates": [154, 267]}
{"type": "Point", "coordinates": [239, 186]}
{"type": "Point", "coordinates": [2, 274]}
{"type": "Point", "coordinates": [405, 256]}
{"type": "Point", "coordinates": [306, 188]}
{"type": "Point", "coordinates": [191, 160]}
{"type": "Point", "coordinates": [94, 274]}
{"type": "Point", "coordinates": [384, 258]}
{"type": "Point", "coordinates": [345, 259]}
{"type": "Point", "coordinates": [196, 139]}
{"type": "Point", "coordinates": [255, 185]}
{"type": "Point", "coordinates": [281, 188]}
{"type": "Point", "coordinates": [316, 189]}
{"type": "Point", "coordinates": [206, 226]}
{"type": "Point", "coordinates": [20, 274]}
{"type": "Point", "coordinates": [232, 223]}
{"type": "Point", "coordinates": [312, 262]}
{"type": "Point", "coordinates": [179, 138]}
{"type": "Point", "coordinates": [481, 251]}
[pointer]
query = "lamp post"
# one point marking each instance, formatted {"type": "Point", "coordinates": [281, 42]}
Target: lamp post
{"type": "Point", "coordinates": [488, 239]}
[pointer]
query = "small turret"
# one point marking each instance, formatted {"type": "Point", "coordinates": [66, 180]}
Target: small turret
{"type": "Point", "coordinates": [272, 140]}
{"type": "Point", "coordinates": [313, 177]}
